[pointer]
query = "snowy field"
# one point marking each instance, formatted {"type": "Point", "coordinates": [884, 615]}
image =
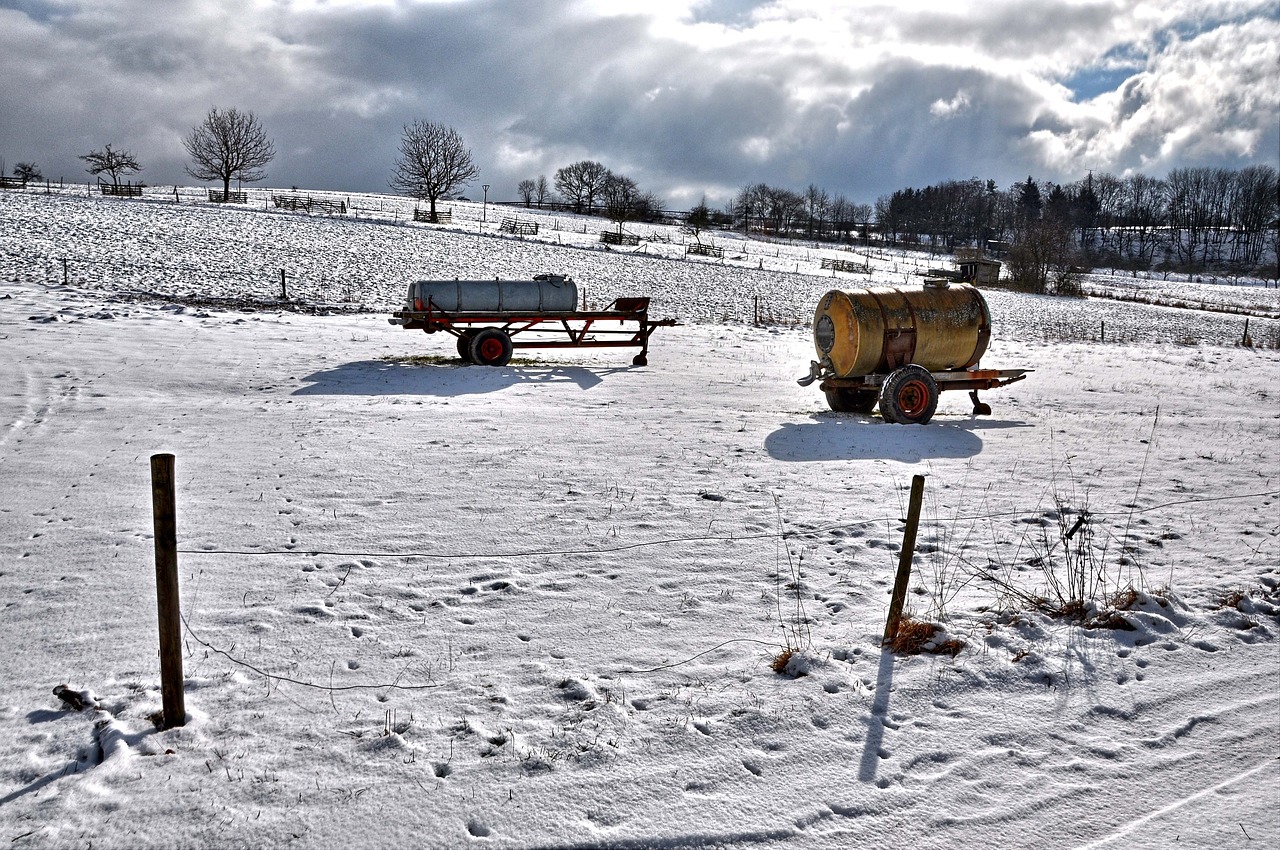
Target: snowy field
{"type": "Point", "coordinates": [430, 604]}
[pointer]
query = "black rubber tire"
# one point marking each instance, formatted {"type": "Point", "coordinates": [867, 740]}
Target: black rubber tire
{"type": "Point", "coordinates": [639, 360]}
{"type": "Point", "coordinates": [491, 347]}
{"type": "Point", "coordinates": [909, 396]}
{"type": "Point", "coordinates": [843, 400]}
{"type": "Point", "coordinates": [464, 346]}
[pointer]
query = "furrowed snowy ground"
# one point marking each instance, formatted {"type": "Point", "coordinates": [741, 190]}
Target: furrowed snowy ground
{"type": "Point", "coordinates": [536, 606]}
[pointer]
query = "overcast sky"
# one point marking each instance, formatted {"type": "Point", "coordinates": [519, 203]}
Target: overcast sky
{"type": "Point", "coordinates": [688, 97]}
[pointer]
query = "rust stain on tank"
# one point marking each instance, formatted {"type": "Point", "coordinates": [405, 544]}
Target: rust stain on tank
{"type": "Point", "coordinates": [874, 331]}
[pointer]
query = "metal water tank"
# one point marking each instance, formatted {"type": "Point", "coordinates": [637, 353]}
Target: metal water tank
{"type": "Point", "coordinates": [939, 326]}
{"type": "Point", "coordinates": [548, 293]}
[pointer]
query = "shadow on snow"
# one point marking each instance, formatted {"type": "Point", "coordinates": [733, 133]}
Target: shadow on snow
{"type": "Point", "coordinates": [388, 377]}
{"type": "Point", "coordinates": [845, 437]}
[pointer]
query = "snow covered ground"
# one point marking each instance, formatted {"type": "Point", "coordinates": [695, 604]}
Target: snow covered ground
{"type": "Point", "coordinates": [537, 606]}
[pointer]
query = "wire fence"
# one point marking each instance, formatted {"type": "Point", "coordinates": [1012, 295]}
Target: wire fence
{"type": "Point", "coordinates": [702, 538]}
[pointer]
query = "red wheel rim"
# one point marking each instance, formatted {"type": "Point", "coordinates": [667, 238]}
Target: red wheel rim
{"type": "Point", "coordinates": [491, 349]}
{"type": "Point", "coordinates": [913, 398]}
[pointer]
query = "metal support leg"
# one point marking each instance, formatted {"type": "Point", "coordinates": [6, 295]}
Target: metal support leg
{"type": "Point", "coordinates": [979, 408]}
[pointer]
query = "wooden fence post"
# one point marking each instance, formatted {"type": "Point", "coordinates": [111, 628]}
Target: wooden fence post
{"type": "Point", "coordinates": [164, 510]}
{"type": "Point", "coordinates": [904, 559]}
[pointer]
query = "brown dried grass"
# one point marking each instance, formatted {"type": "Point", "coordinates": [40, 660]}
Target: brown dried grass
{"type": "Point", "coordinates": [916, 636]}
{"type": "Point", "coordinates": [779, 663]}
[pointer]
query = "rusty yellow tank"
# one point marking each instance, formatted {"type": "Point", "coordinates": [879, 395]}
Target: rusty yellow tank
{"type": "Point", "coordinates": [939, 326]}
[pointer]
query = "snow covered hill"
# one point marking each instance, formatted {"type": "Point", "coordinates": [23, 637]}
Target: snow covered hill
{"type": "Point", "coordinates": [441, 605]}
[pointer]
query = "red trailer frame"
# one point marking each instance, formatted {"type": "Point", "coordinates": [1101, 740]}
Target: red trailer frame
{"type": "Point", "coordinates": [909, 394]}
{"type": "Point", "coordinates": [492, 342]}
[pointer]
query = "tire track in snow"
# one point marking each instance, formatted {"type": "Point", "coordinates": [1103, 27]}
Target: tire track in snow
{"type": "Point", "coordinates": [1132, 825]}
{"type": "Point", "coordinates": [35, 410]}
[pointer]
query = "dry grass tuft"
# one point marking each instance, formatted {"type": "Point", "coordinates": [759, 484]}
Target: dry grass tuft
{"type": "Point", "coordinates": [780, 661]}
{"type": "Point", "coordinates": [1124, 600]}
{"type": "Point", "coordinates": [1233, 599]}
{"type": "Point", "coordinates": [916, 636]}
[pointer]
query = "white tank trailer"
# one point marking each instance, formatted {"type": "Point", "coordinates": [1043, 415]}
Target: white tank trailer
{"type": "Point", "coordinates": [546, 293]}
{"type": "Point", "coordinates": [485, 316]}
{"type": "Point", "coordinates": [899, 348]}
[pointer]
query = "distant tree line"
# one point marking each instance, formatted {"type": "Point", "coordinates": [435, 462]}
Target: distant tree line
{"type": "Point", "coordinates": [1194, 219]}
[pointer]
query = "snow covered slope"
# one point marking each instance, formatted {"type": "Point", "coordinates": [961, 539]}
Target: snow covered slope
{"type": "Point", "coordinates": [440, 605]}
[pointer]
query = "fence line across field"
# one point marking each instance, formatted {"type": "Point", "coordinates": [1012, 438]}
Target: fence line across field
{"type": "Point", "coordinates": [172, 623]}
{"type": "Point", "coordinates": [707, 538]}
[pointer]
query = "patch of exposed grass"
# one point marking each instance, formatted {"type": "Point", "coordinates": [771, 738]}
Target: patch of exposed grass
{"type": "Point", "coordinates": [917, 636]}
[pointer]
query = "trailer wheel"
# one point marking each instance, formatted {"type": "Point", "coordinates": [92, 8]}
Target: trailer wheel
{"type": "Point", "coordinates": [464, 346]}
{"type": "Point", "coordinates": [909, 396]}
{"type": "Point", "coordinates": [845, 400]}
{"type": "Point", "coordinates": [491, 347]}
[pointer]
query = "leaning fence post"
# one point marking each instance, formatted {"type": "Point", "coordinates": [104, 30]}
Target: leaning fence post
{"type": "Point", "coordinates": [904, 559]}
{"type": "Point", "coordinates": [164, 511]}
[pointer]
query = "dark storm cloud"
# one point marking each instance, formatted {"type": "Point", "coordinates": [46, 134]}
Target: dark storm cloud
{"type": "Point", "coordinates": [685, 96]}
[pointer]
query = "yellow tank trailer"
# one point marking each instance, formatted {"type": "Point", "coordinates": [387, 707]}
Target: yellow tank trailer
{"type": "Point", "coordinates": [899, 348]}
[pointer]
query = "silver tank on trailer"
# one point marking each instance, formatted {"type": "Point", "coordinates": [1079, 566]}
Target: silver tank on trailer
{"type": "Point", "coordinates": [546, 293]}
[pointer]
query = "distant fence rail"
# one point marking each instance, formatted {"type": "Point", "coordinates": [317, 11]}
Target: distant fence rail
{"type": "Point", "coordinates": [120, 190]}
{"type": "Point", "coordinates": [518, 228]}
{"type": "Point", "coordinates": [701, 250]}
{"type": "Point", "coordinates": [613, 237]}
{"type": "Point", "coordinates": [441, 216]}
{"type": "Point", "coordinates": [217, 196]}
{"type": "Point", "coordinates": [306, 203]}
{"type": "Point", "coordinates": [845, 266]}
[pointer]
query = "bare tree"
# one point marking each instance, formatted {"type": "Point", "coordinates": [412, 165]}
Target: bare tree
{"type": "Point", "coordinates": [1253, 209]}
{"type": "Point", "coordinates": [541, 190]}
{"type": "Point", "coordinates": [699, 219]}
{"type": "Point", "coordinates": [27, 172]}
{"type": "Point", "coordinates": [228, 144]}
{"type": "Point", "coordinates": [817, 206]}
{"type": "Point", "coordinates": [782, 208]}
{"type": "Point", "coordinates": [115, 163]}
{"type": "Point", "coordinates": [581, 183]}
{"type": "Point", "coordinates": [750, 204]}
{"type": "Point", "coordinates": [1041, 247]}
{"type": "Point", "coordinates": [433, 162]}
{"type": "Point", "coordinates": [526, 190]}
{"type": "Point", "coordinates": [624, 201]}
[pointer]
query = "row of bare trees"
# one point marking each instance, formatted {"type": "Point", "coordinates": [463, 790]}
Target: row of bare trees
{"type": "Point", "coordinates": [589, 187]}
{"type": "Point", "coordinates": [227, 145]}
{"type": "Point", "coordinates": [814, 213]}
{"type": "Point", "coordinates": [230, 144]}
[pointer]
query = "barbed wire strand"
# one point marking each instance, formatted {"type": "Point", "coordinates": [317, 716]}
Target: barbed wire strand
{"type": "Point", "coordinates": [696, 657]}
{"type": "Point", "coordinates": [278, 678]}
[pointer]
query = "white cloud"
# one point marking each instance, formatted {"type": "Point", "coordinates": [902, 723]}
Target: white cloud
{"type": "Point", "coordinates": [678, 93]}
